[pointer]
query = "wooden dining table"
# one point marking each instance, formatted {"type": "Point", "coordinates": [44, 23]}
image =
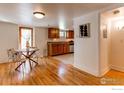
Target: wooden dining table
{"type": "Point", "coordinates": [27, 53]}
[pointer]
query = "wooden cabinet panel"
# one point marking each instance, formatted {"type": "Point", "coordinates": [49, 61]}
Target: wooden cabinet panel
{"type": "Point", "coordinates": [54, 49]}
{"type": "Point", "coordinates": [61, 48]}
{"type": "Point", "coordinates": [58, 48]}
{"type": "Point", "coordinates": [53, 33]}
{"type": "Point", "coordinates": [70, 34]}
{"type": "Point", "coordinates": [66, 48]}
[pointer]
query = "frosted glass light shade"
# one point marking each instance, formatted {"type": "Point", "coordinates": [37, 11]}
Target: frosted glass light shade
{"type": "Point", "coordinates": [39, 15]}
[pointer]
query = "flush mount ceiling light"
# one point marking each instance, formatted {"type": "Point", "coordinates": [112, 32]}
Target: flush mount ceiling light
{"type": "Point", "coordinates": [116, 12]}
{"type": "Point", "coordinates": [39, 15]}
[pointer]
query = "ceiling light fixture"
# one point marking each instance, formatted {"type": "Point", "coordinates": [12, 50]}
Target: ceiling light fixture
{"type": "Point", "coordinates": [116, 12]}
{"type": "Point", "coordinates": [39, 15]}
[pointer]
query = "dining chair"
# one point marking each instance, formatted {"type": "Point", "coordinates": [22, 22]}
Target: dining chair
{"type": "Point", "coordinates": [11, 55]}
{"type": "Point", "coordinates": [39, 57]}
{"type": "Point", "coordinates": [14, 56]}
{"type": "Point", "coordinates": [44, 56]}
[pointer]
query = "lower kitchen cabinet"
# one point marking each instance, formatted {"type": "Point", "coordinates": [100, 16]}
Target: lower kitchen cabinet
{"type": "Point", "coordinates": [66, 48]}
{"type": "Point", "coordinates": [57, 48]}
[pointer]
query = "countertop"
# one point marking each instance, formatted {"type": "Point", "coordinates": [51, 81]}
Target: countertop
{"type": "Point", "coordinates": [58, 42]}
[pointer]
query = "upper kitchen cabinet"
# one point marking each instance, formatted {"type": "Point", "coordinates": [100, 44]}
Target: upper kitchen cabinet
{"type": "Point", "coordinates": [53, 33]}
{"type": "Point", "coordinates": [57, 33]}
{"type": "Point", "coordinates": [70, 34]}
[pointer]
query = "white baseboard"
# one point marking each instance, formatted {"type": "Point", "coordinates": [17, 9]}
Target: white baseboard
{"type": "Point", "coordinates": [105, 71]}
{"type": "Point", "coordinates": [89, 72]}
{"type": "Point", "coordinates": [3, 60]}
{"type": "Point", "coordinates": [117, 68]}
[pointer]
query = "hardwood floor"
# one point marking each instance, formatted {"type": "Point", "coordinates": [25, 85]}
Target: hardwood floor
{"type": "Point", "coordinates": [52, 72]}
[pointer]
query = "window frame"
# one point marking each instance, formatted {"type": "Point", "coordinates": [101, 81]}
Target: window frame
{"type": "Point", "coordinates": [20, 35]}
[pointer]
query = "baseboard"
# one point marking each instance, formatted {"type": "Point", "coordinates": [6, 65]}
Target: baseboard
{"type": "Point", "coordinates": [86, 71]}
{"type": "Point", "coordinates": [105, 71]}
{"type": "Point", "coordinates": [117, 68]}
{"type": "Point", "coordinates": [4, 60]}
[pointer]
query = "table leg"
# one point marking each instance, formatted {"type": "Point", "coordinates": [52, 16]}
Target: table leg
{"type": "Point", "coordinates": [30, 64]}
{"type": "Point", "coordinates": [33, 61]}
{"type": "Point", "coordinates": [19, 65]}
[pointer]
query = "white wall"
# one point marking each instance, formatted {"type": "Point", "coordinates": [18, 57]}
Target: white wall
{"type": "Point", "coordinates": [117, 46]}
{"type": "Point", "coordinates": [41, 39]}
{"type": "Point", "coordinates": [104, 47]}
{"type": "Point", "coordinates": [86, 50]}
{"type": "Point", "coordinates": [94, 55]}
{"type": "Point", "coordinates": [111, 49]}
{"type": "Point", "coordinates": [8, 39]}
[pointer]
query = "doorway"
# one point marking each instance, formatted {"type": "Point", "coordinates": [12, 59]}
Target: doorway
{"type": "Point", "coordinates": [112, 40]}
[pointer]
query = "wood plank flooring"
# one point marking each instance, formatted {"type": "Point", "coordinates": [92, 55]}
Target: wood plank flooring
{"type": "Point", "coordinates": [52, 72]}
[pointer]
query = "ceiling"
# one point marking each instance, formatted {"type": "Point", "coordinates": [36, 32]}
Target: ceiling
{"type": "Point", "coordinates": [56, 15]}
{"type": "Point", "coordinates": [110, 14]}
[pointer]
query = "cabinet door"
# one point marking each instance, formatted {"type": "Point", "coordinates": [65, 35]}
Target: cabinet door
{"type": "Point", "coordinates": [70, 34]}
{"type": "Point", "coordinates": [53, 33]}
{"type": "Point", "coordinates": [50, 33]}
{"type": "Point", "coordinates": [61, 48]}
{"type": "Point", "coordinates": [54, 49]}
{"type": "Point", "coordinates": [57, 33]}
{"type": "Point", "coordinates": [66, 48]}
{"type": "Point", "coordinates": [58, 48]}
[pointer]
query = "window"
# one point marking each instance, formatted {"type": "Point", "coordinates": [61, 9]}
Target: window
{"type": "Point", "coordinates": [25, 36]}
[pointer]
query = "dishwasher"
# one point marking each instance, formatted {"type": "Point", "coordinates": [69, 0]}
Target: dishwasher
{"type": "Point", "coordinates": [71, 46]}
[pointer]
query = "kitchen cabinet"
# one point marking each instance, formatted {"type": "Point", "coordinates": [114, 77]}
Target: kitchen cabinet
{"type": "Point", "coordinates": [53, 33]}
{"type": "Point", "coordinates": [66, 48]}
{"type": "Point", "coordinates": [56, 33]}
{"type": "Point", "coordinates": [54, 49]}
{"type": "Point", "coordinates": [70, 34]}
{"type": "Point", "coordinates": [60, 49]}
{"type": "Point", "coordinates": [57, 48]}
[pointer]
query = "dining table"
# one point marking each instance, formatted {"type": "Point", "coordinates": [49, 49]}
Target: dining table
{"type": "Point", "coordinates": [28, 54]}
